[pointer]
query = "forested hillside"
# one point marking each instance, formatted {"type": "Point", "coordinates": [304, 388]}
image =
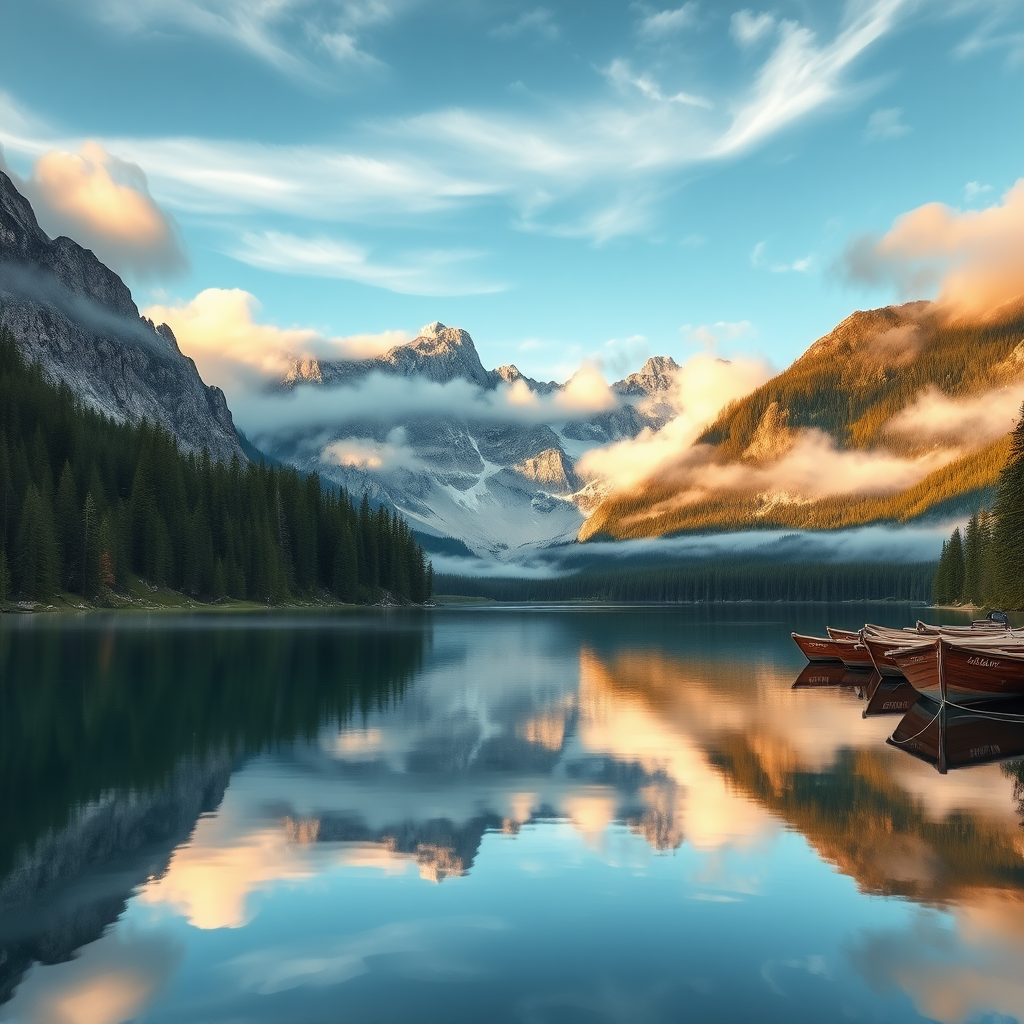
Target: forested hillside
{"type": "Point", "coordinates": [849, 386]}
{"type": "Point", "coordinates": [984, 565]}
{"type": "Point", "coordinates": [86, 504]}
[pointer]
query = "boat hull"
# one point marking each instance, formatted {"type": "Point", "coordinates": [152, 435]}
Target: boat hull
{"type": "Point", "coordinates": [884, 664]}
{"type": "Point", "coordinates": [843, 634]}
{"type": "Point", "coordinates": [978, 674]}
{"type": "Point", "coordinates": [920, 666]}
{"type": "Point", "coordinates": [857, 657]}
{"type": "Point", "coordinates": [962, 674]}
{"type": "Point", "coordinates": [817, 648]}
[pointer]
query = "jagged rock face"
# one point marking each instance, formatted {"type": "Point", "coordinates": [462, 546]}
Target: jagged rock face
{"type": "Point", "coordinates": [656, 376]}
{"type": "Point", "coordinates": [552, 470]}
{"type": "Point", "coordinates": [497, 485]}
{"type": "Point", "coordinates": [76, 317]}
{"type": "Point", "coordinates": [772, 438]}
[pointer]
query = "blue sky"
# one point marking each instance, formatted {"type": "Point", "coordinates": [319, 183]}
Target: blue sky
{"type": "Point", "coordinates": [567, 181]}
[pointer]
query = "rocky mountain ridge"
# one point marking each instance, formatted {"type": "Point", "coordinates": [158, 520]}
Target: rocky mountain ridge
{"type": "Point", "coordinates": [496, 482]}
{"type": "Point", "coordinates": [76, 317]}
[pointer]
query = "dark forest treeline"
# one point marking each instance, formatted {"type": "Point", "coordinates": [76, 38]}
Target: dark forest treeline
{"type": "Point", "coordinates": [984, 565]}
{"type": "Point", "coordinates": [86, 503]}
{"type": "Point", "coordinates": [713, 580]}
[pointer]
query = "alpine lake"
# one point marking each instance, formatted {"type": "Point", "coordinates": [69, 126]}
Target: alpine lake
{"type": "Point", "coordinates": [576, 814]}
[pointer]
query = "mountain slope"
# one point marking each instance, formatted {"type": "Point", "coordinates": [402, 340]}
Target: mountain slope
{"type": "Point", "coordinates": [487, 456]}
{"type": "Point", "coordinates": [76, 317]}
{"type": "Point", "coordinates": [888, 417]}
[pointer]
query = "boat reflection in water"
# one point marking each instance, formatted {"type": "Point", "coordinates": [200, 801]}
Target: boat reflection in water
{"type": "Point", "coordinates": [947, 736]}
{"type": "Point", "coordinates": [889, 696]}
{"type": "Point", "coordinates": [827, 674]}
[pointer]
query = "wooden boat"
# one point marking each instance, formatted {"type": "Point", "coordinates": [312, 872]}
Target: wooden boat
{"type": "Point", "coordinates": [856, 656]}
{"type": "Point", "coordinates": [843, 634]}
{"type": "Point", "coordinates": [817, 648]}
{"type": "Point", "coordinates": [949, 737]}
{"type": "Point", "coordinates": [825, 673]}
{"type": "Point", "coordinates": [919, 664]}
{"type": "Point", "coordinates": [974, 672]}
{"type": "Point", "coordinates": [979, 626]}
{"type": "Point", "coordinates": [963, 671]}
{"type": "Point", "coordinates": [878, 648]}
{"type": "Point", "coordinates": [852, 653]}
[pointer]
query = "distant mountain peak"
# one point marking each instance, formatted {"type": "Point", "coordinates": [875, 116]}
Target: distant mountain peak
{"type": "Point", "coordinates": [655, 376]}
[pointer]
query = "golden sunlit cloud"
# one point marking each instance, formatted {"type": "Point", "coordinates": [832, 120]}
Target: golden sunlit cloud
{"type": "Point", "coordinates": [219, 330]}
{"type": "Point", "coordinates": [104, 204]}
{"type": "Point", "coordinates": [974, 257]}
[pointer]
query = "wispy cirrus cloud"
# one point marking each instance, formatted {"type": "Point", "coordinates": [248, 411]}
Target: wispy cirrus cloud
{"type": "Point", "coordinates": [748, 29]}
{"type": "Point", "coordinates": [595, 169]}
{"type": "Point", "coordinates": [539, 23]}
{"type": "Point", "coordinates": [759, 259]}
{"type": "Point", "coordinates": [801, 76]}
{"type": "Point", "coordinates": [620, 74]}
{"type": "Point", "coordinates": [431, 272]}
{"type": "Point", "coordinates": [885, 124]}
{"type": "Point", "coordinates": [659, 24]}
{"type": "Point", "coordinates": [289, 35]}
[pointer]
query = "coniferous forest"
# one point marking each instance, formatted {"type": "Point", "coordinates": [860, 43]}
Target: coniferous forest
{"type": "Point", "coordinates": [87, 503]}
{"type": "Point", "coordinates": [713, 579]}
{"type": "Point", "coordinates": [983, 565]}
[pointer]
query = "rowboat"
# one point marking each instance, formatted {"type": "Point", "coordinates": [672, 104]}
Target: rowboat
{"type": "Point", "coordinates": [852, 653]}
{"type": "Point", "coordinates": [950, 737]}
{"type": "Point", "coordinates": [878, 648]}
{"type": "Point", "coordinates": [843, 634]}
{"type": "Point", "coordinates": [818, 648]}
{"type": "Point", "coordinates": [963, 670]}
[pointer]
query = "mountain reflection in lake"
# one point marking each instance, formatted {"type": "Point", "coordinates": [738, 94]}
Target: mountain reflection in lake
{"type": "Point", "coordinates": [511, 815]}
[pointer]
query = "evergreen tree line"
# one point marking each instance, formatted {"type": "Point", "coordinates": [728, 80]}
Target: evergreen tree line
{"type": "Point", "coordinates": [712, 580]}
{"type": "Point", "coordinates": [87, 503]}
{"type": "Point", "coordinates": [984, 564]}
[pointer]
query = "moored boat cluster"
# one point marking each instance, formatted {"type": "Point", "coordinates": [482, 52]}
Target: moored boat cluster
{"type": "Point", "coordinates": [958, 664]}
{"type": "Point", "coordinates": [960, 689]}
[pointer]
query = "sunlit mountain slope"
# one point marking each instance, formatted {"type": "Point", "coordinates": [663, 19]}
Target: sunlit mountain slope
{"type": "Point", "coordinates": [896, 413]}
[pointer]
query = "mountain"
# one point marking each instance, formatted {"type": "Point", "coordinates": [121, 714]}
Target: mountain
{"type": "Point", "coordinates": [76, 317]}
{"type": "Point", "coordinates": [487, 456]}
{"type": "Point", "coordinates": [897, 413]}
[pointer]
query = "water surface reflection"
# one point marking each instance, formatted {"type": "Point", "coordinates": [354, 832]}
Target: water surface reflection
{"type": "Point", "coordinates": [534, 816]}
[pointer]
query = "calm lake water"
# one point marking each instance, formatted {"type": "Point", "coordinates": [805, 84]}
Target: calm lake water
{"type": "Point", "coordinates": [622, 815]}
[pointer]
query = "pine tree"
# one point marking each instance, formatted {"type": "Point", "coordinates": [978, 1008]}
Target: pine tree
{"type": "Point", "coordinates": [346, 573]}
{"type": "Point", "coordinates": [35, 547]}
{"type": "Point", "coordinates": [90, 547]}
{"type": "Point", "coordinates": [106, 570]}
{"type": "Point", "coordinates": [5, 577]}
{"type": "Point", "coordinates": [1008, 512]}
{"type": "Point", "coordinates": [67, 527]}
{"type": "Point", "coordinates": [940, 584]}
{"type": "Point", "coordinates": [956, 568]}
{"type": "Point", "coordinates": [973, 559]}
